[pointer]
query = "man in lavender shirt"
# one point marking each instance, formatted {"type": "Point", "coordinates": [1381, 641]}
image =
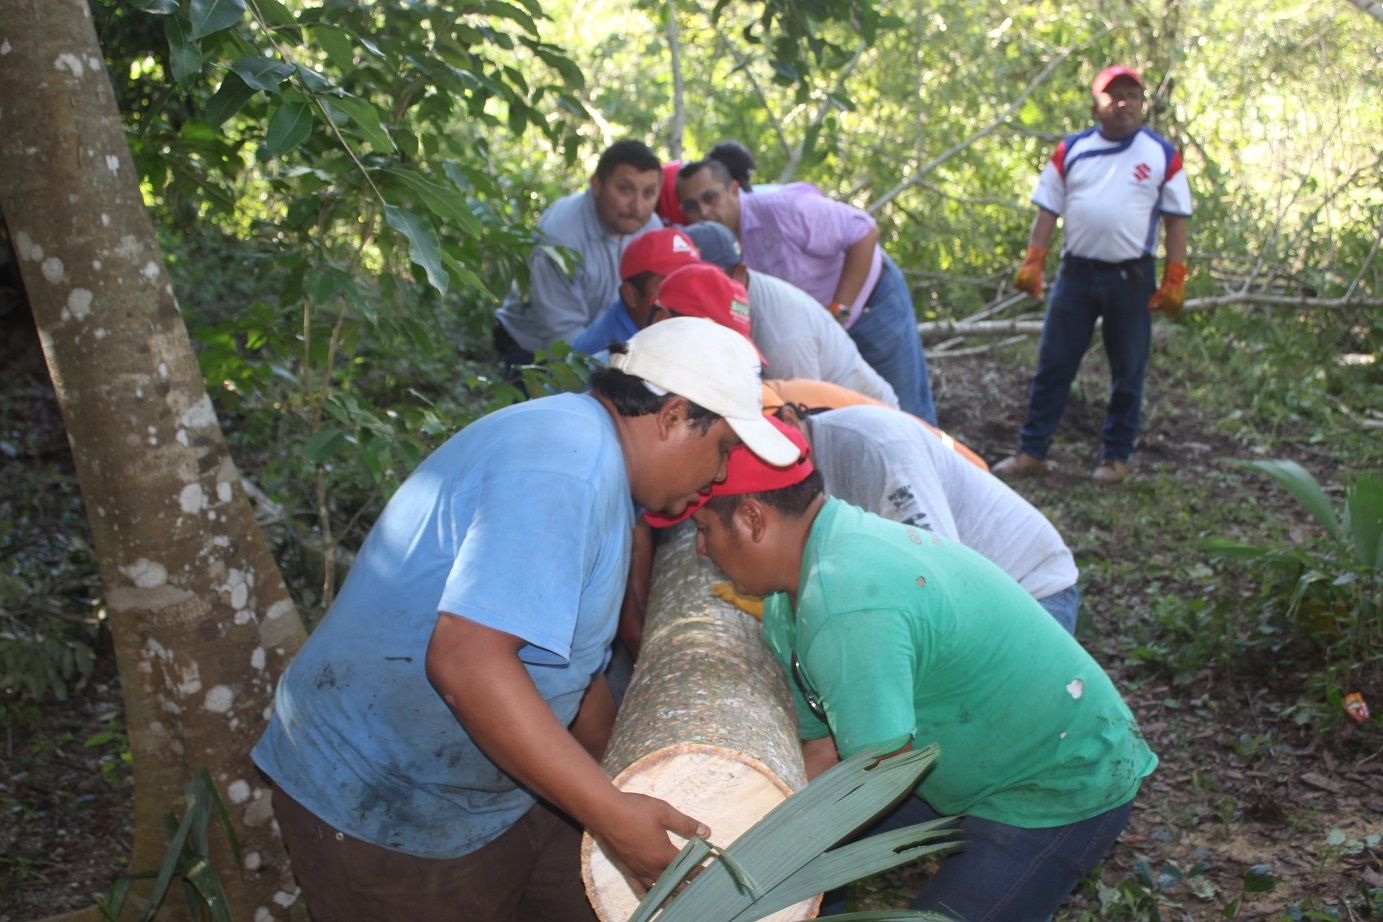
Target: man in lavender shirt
{"type": "Point", "coordinates": [831, 251]}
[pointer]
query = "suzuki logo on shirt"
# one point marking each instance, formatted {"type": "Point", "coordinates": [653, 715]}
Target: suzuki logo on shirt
{"type": "Point", "coordinates": [1142, 172]}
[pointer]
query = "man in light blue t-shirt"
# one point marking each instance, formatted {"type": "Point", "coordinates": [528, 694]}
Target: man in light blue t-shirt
{"type": "Point", "coordinates": [438, 734]}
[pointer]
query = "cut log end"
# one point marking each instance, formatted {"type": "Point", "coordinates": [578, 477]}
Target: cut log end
{"type": "Point", "coordinates": [727, 790]}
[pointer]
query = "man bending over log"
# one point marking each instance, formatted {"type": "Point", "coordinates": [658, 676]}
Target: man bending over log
{"type": "Point", "coordinates": [890, 633]}
{"type": "Point", "coordinates": [427, 742]}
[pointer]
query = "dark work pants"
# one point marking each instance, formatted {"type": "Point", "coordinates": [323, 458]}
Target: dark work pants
{"type": "Point", "coordinates": [1085, 291]}
{"type": "Point", "coordinates": [1003, 873]}
{"type": "Point", "coordinates": [531, 872]}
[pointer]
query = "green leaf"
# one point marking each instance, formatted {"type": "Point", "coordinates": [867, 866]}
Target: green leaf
{"type": "Point", "coordinates": [157, 7]}
{"type": "Point", "coordinates": [314, 82]}
{"type": "Point", "coordinates": [275, 14]}
{"type": "Point", "coordinates": [797, 832]}
{"type": "Point", "coordinates": [366, 116]}
{"type": "Point", "coordinates": [290, 126]}
{"type": "Point", "coordinates": [463, 275]}
{"type": "Point", "coordinates": [336, 42]}
{"type": "Point", "coordinates": [324, 444]}
{"type": "Point", "coordinates": [262, 73]}
{"type": "Point", "coordinates": [1364, 519]}
{"type": "Point", "coordinates": [423, 245]}
{"type": "Point", "coordinates": [210, 16]}
{"type": "Point", "coordinates": [183, 54]}
{"type": "Point", "coordinates": [441, 201]}
{"type": "Point", "coordinates": [1294, 478]}
{"type": "Point", "coordinates": [228, 100]}
{"type": "Point", "coordinates": [1259, 879]}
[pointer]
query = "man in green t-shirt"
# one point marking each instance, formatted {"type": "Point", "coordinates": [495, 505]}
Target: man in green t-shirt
{"type": "Point", "coordinates": [890, 633]}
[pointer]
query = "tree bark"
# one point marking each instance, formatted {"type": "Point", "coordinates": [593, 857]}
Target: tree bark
{"type": "Point", "coordinates": [201, 620]}
{"type": "Point", "coordinates": [679, 111]}
{"type": "Point", "coordinates": [707, 724]}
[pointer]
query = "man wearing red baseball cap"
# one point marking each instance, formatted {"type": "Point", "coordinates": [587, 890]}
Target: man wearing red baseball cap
{"type": "Point", "coordinates": [648, 259]}
{"type": "Point", "coordinates": [889, 634]}
{"type": "Point", "coordinates": [1112, 182]}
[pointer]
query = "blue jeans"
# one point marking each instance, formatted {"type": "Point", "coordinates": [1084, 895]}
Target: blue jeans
{"type": "Point", "coordinates": [1084, 291]}
{"type": "Point", "coordinates": [1064, 606]}
{"type": "Point", "coordinates": [887, 337]}
{"type": "Point", "coordinates": [1003, 873]}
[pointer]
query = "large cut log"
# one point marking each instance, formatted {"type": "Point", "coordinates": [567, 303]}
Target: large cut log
{"type": "Point", "coordinates": [707, 724]}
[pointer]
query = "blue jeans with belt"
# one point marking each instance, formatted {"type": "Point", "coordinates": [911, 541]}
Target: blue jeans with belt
{"type": "Point", "coordinates": [1003, 873]}
{"type": "Point", "coordinates": [887, 337]}
{"type": "Point", "coordinates": [1085, 290]}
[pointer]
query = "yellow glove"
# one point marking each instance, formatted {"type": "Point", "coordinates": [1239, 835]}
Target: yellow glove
{"type": "Point", "coordinates": [745, 603]}
{"type": "Point", "coordinates": [1029, 275]}
{"type": "Point", "coordinates": [1171, 297]}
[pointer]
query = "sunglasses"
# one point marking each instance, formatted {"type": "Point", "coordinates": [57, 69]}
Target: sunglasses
{"type": "Point", "coordinates": [808, 693]}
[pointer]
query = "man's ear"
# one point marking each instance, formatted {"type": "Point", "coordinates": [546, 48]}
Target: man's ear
{"type": "Point", "coordinates": [674, 411]}
{"type": "Point", "coordinates": [752, 516]}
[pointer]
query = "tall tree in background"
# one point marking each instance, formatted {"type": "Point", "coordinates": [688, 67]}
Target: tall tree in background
{"type": "Point", "coordinates": [202, 622]}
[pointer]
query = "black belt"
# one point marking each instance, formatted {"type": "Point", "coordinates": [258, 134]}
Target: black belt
{"type": "Point", "coordinates": [1099, 265]}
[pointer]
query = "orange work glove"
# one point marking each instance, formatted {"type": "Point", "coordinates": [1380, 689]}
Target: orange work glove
{"type": "Point", "coordinates": [1029, 275]}
{"type": "Point", "coordinates": [751, 604]}
{"type": "Point", "coordinates": [1171, 297]}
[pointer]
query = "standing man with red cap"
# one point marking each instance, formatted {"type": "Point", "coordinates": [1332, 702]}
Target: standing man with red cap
{"type": "Point", "coordinates": [1112, 182]}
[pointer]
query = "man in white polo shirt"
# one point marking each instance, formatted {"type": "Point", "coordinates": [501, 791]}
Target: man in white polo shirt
{"type": "Point", "coordinates": [1112, 182]}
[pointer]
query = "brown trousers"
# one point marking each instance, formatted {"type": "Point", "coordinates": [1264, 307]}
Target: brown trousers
{"type": "Point", "coordinates": [531, 872]}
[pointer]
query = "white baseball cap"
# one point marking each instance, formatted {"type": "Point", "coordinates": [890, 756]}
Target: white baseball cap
{"type": "Point", "coordinates": [714, 367]}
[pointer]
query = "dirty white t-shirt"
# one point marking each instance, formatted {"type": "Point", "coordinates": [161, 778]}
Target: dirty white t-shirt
{"type": "Point", "coordinates": [800, 339]}
{"type": "Point", "coordinates": [882, 461]}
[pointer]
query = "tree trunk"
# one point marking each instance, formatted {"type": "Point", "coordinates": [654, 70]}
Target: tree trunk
{"type": "Point", "coordinates": [679, 112]}
{"type": "Point", "coordinates": [202, 622]}
{"type": "Point", "coordinates": [707, 724]}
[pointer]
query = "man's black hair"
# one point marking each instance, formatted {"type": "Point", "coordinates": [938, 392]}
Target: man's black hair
{"type": "Point", "coordinates": [719, 170]}
{"type": "Point", "coordinates": [791, 502]}
{"type": "Point", "coordinates": [631, 397]}
{"type": "Point", "coordinates": [736, 159]}
{"type": "Point", "coordinates": [635, 153]}
{"type": "Point", "coordinates": [640, 281]}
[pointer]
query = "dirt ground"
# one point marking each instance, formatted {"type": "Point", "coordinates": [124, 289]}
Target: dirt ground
{"type": "Point", "coordinates": [1241, 783]}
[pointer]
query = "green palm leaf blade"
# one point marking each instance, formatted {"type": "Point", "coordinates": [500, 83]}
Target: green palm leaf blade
{"type": "Point", "coordinates": [1294, 478]}
{"type": "Point", "coordinates": [851, 862]}
{"type": "Point", "coordinates": [887, 915]}
{"type": "Point", "coordinates": [692, 854]}
{"type": "Point", "coordinates": [829, 809]}
{"type": "Point", "coordinates": [1364, 519]}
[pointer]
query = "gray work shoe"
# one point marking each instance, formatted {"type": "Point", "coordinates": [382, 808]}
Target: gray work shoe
{"type": "Point", "coordinates": [1019, 466]}
{"type": "Point", "coordinates": [1110, 472]}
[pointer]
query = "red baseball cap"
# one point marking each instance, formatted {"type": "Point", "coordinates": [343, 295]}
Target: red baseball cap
{"type": "Point", "coordinates": [1105, 77]}
{"type": "Point", "coordinates": [663, 251]}
{"type": "Point", "coordinates": [746, 472]}
{"type": "Point", "coordinates": [703, 290]}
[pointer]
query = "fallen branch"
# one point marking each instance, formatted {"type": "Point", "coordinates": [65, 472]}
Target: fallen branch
{"type": "Point", "coordinates": [1026, 327]}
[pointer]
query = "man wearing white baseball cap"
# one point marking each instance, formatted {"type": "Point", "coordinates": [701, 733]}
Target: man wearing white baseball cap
{"type": "Point", "coordinates": [431, 743]}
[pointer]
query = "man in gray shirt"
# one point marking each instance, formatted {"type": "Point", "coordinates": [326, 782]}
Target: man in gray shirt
{"type": "Point", "coordinates": [798, 337]}
{"type": "Point", "coordinates": [596, 224]}
{"type": "Point", "coordinates": [882, 461]}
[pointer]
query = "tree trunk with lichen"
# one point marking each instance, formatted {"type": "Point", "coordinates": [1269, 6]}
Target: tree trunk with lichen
{"type": "Point", "coordinates": [707, 724]}
{"type": "Point", "coordinates": [202, 622]}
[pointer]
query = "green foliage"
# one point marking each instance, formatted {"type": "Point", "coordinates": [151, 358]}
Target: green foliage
{"type": "Point", "coordinates": [188, 859]}
{"type": "Point", "coordinates": [1329, 589]}
{"type": "Point", "coordinates": [782, 859]}
{"type": "Point", "coordinates": [44, 648]}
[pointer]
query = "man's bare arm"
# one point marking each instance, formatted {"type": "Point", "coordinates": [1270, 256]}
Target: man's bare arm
{"type": "Point", "coordinates": [478, 673]}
